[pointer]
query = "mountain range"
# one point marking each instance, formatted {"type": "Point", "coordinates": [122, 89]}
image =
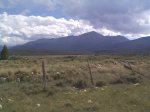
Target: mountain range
{"type": "Point", "coordinates": [137, 46]}
{"type": "Point", "coordinates": [87, 43]}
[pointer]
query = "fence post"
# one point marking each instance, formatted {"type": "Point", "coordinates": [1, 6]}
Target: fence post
{"type": "Point", "coordinates": [90, 72]}
{"type": "Point", "coordinates": [44, 77]}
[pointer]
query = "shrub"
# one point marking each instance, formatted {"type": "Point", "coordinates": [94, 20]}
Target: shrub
{"type": "Point", "coordinates": [72, 58]}
{"type": "Point", "coordinates": [133, 79]}
{"type": "Point", "coordinates": [127, 80]}
{"type": "Point", "coordinates": [50, 93]}
{"type": "Point", "coordinates": [69, 81]}
{"type": "Point", "coordinates": [100, 84]}
{"type": "Point", "coordinates": [92, 108]}
{"type": "Point", "coordinates": [23, 76]}
{"type": "Point", "coordinates": [118, 81]}
{"type": "Point", "coordinates": [80, 84]}
{"type": "Point", "coordinates": [57, 76]}
{"type": "Point", "coordinates": [60, 84]}
{"type": "Point", "coordinates": [68, 105]}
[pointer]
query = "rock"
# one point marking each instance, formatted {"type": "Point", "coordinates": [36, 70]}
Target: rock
{"type": "Point", "coordinates": [1, 107]}
{"type": "Point", "coordinates": [10, 100]}
{"type": "Point", "coordinates": [89, 101]}
{"type": "Point", "coordinates": [58, 73]}
{"type": "Point", "coordinates": [136, 84]}
{"type": "Point", "coordinates": [102, 89]}
{"type": "Point", "coordinates": [1, 99]}
{"type": "Point", "coordinates": [38, 105]}
{"type": "Point", "coordinates": [85, 90]}
{"type": "Point", "coordinates": [125, 92]}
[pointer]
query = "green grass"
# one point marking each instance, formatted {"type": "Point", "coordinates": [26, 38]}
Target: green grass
{"type": "Point", "coordinates": [113, 98]}
{"type": "Point", "coordinates": [66, 71]}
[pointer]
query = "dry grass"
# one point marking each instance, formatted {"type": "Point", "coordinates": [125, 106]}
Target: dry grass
{"type": "Point", "coordinates": [104, 68]}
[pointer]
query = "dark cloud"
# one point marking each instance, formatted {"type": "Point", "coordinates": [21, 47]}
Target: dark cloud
{"type": "Point", "coordinates": [125, 16]}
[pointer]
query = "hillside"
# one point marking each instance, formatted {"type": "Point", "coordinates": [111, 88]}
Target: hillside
{"type": "Point", "coordinates": [137, 46]}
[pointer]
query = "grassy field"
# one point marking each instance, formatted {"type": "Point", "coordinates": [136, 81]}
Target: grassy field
{"type": "Point", "coordinates": [69, 89]}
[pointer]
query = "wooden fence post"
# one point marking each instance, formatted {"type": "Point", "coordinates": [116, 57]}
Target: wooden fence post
{"type": "Point", "coordinates": [90, 72]}
{"type": "Point", "coordinates": [44, 77]}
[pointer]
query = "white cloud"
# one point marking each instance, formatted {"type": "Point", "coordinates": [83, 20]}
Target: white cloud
{"type": "Point", "coordinates": [18, 29]}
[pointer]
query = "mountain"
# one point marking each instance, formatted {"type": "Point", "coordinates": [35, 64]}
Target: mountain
{"type": "Point", "coordinates": [137, 46]}
{"type": "Point", "coordinates": [86, 43]}
{"type": "Point", "coordinates": [141, 43]}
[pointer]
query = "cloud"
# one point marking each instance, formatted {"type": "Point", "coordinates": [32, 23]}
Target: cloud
{"type": "Point", "coordinates": [124, 16]}
{"type": "Point", "coordinates": [18, 29]}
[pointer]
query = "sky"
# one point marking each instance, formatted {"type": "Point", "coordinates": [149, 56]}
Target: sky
{"type": "Point", "coordinates": [22, 21]}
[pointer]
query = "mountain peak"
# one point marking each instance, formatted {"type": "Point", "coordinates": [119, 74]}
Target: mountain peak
{"type": "Point", "coordinates": [94, 33]}
{"type": "Point", "coordinates": [91, 34]}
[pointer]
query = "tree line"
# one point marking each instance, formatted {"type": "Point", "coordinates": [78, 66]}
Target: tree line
{"type": "Point", "coordinates": [4, 54]}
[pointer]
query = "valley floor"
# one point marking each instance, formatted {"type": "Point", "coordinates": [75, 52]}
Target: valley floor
{"type": "Point", "coordinates": [117, 88]}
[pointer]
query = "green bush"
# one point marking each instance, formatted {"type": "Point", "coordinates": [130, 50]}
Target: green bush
{"type": "Point", "coordinates": [4, 53]}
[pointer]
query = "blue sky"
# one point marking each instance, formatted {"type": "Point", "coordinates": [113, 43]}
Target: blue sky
{"type": "Point", "coordinates": [25, 20]}
{"type": "Point", "coordinates": [32, 7]}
